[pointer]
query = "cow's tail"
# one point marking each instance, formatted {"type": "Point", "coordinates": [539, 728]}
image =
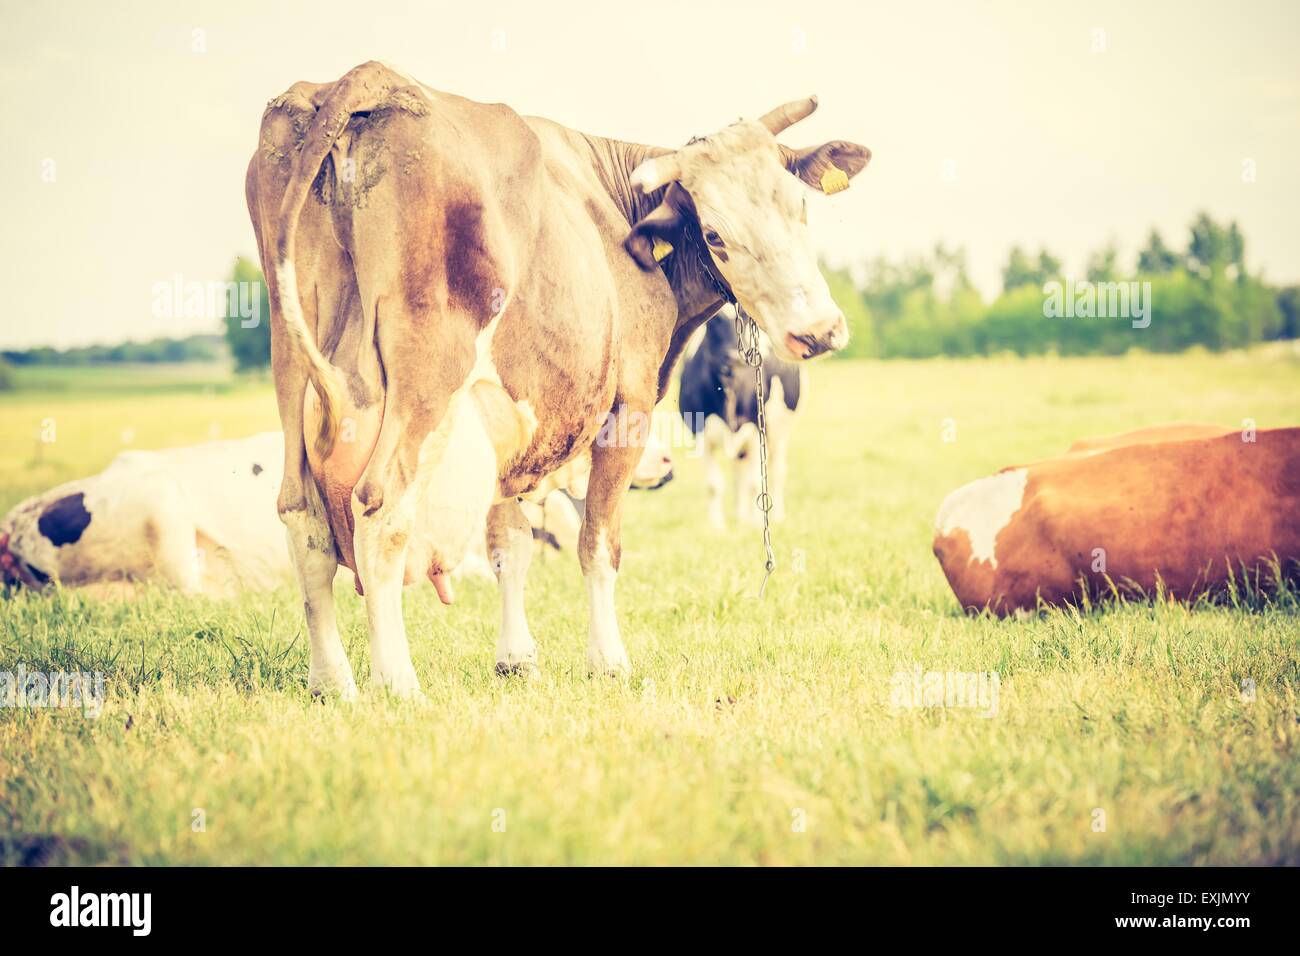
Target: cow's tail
{"type": "Point", "coordinates": [360, 90]}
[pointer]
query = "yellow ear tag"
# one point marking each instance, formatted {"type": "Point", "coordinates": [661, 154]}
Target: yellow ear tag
{"type": "Point", "coordinates": [661, 249]}
{"type": "Point", "coordinates": [834, 180]}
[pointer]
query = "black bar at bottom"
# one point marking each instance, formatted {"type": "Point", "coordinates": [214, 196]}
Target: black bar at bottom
{"type": "Point", "coordinates": [331, 906]}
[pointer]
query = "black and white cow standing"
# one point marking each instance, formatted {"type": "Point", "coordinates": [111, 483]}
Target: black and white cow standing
{"type": "Point", "coordinates": [719, 403]}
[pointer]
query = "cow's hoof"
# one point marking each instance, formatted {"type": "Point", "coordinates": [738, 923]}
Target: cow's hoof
{"type": "Point", "coordinates": [612, 665]}
{"type": "Point", "coordinates": [412, 694]}
{"type": "Point", "coordinates": [345, 695]}
{"type": "Point", "coordinates": [338, 686]}
{"type": "Point", "coordinates": [525, 669]}
{"type": "Point", "coordinates": [403, 685]}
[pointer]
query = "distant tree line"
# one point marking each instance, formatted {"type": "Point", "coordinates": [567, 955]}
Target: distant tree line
{"type": "Point", "coordinates": [192, 348]}
{"type": "Point", "coordinates": [1200, 295]}
{"type": "Point", "coordinates": [246, 338]}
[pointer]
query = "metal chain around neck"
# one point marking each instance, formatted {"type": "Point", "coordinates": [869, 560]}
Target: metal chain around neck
{"type": "Point", "coordinates": [751, 351]}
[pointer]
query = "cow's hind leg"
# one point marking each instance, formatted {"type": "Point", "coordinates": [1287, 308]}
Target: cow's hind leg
{"type": "Point", "coordinates": [311, 548]}
{"type": "Point", "coordinates": [425, 368]}
{"type": "Point", "coordinates": [315, 562]}
{"type": "Point", "coordinates": [311, 542]}
{"type": "Point", "coordinates": [383, 512]}
{"type": "Point", "coordinates": [307, 530]}
{"type": "Point", "coordinates": [510, 550]}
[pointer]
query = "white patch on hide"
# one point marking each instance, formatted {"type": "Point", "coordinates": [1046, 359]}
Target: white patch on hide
{"type": "Point", "coordinates": [982, 509]}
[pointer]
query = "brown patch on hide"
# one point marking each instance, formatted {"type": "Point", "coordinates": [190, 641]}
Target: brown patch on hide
{"type": "Point", "coordinates": [467, 262]}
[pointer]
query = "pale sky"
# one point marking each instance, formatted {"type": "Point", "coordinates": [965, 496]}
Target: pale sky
{"type": "Point", "coordinates": [991, 123]}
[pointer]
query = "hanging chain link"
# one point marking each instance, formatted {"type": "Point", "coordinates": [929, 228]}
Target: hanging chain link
{"type": "Point", "coordinates": [751, 351]}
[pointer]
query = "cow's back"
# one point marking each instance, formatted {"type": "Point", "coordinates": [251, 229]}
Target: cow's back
{"type": "Point", "coordinates": [1152, 434]}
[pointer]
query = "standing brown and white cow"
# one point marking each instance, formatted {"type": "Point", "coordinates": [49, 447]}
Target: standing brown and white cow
{"type": "Point", "coordinates": [472, 293]}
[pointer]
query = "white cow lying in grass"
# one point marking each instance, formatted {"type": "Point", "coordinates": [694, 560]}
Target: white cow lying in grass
{"type": "Point", "coordinates": [202, 519]}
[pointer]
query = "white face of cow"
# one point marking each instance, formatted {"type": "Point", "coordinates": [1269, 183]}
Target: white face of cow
{"type": "Point", "coordinates": [749, 195]}
{"type": "Point", "coordinates": [27, 556]}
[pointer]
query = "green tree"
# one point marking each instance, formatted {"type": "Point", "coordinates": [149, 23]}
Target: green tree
{"type": "Point", "coordinates": [845, 292]}
{"type": "Point", "coordinates": [248, 317]}
{"type": "Point", "coordinates": [1213, 249]}
{"type": "Point", "coordinates": [1288, 303]}
{"type": "Point", "coordinates": [1022, 270]}
{"type": "Point", "coordinates": [1019, 271]}
{"type": "Point", "coordinates": [1157, 258]}
{"type": "Point", "coordinates": [1049, 267]}
{"type": "Point", "coordinates": [1103, 265]}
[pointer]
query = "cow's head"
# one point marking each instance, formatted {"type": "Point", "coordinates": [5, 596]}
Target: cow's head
{"type": "Point", "coordinates": [744, 192]}
{"type": "Point", "coordinates": [14, 569]}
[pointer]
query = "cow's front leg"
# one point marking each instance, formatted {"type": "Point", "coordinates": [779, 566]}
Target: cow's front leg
{"type": "Point", "coordinates": [510, 550]}
{"type": "Point", "coordinates": [311, 548]}
{"type": "Point", "coordinates": [599, 550]}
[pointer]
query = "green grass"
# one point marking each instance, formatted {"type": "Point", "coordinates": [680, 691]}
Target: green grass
{"type": "Point", "coordinates": [64, 423]}
{"type": "Point", "coordinates": [750, 732]}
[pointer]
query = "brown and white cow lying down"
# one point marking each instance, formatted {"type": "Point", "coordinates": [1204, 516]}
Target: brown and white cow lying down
{"type": "Point", "coordinates": [1183, 506]}
{"type": "Point", "coordinates": [202, 519]}
{"type": "Point", "coordinates": [462, 296]}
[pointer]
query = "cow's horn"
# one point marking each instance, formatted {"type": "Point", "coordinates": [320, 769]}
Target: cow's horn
{"type": "Point", "coordinates": [656, 172]}
{"type": "Point", "coordinates": [788, 114]}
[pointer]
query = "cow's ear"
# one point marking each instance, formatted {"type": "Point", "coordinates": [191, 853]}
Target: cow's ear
{"type": "Point", "coordinates": [662, 224]}
{"type": "Point", "coordinates": [817, 165]}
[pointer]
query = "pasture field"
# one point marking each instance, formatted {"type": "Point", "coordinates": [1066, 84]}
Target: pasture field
{"type": "Point", "coordinates": [750, 732]}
